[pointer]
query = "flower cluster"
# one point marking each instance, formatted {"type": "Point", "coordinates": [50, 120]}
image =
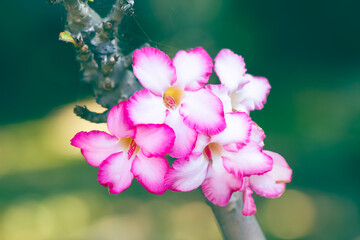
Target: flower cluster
{"type": "Point", "coordinates": [207, 128]}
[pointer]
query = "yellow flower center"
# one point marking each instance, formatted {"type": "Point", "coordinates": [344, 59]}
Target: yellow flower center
{"type": "Point", "coordinates": [172, 97]}
{"type": "Point", "coordinates": [212, 148]}
{"type": "Point", "coordinates": [129, 145]}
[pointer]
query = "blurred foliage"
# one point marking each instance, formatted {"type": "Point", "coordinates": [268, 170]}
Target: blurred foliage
{"type": "Point", "coordinates": [309, 51]}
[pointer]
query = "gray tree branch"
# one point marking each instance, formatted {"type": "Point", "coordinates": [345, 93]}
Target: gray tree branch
{"type": "Point", "coordinates": [80, 16]}
{"type": "Point", "coordinates": [119, 9]}
{"type": "Point", "coordinates": [102, 62]}
{"type": "Point", "coordinates": [234, 225]}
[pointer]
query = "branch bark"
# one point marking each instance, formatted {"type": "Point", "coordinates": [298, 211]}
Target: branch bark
{"type": "Point", "coordinates": [103, 64]}
{"type": "Point", "coordinates": [120, 8]}
{"type": "Point", "coordinates": [233, 224]}
{"type": "Point", "coordinates": [80, 16]}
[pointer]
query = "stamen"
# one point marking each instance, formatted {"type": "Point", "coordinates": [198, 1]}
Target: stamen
{"type": "Point", "coordinates": [132, 149]}
{"type": "Point", "coordinates": [215, 148]}
{"type": "Point", "coordinates": [207, 152]}
{"type": "Point", "coordinates": [172, 97]}
{"type": "Point", "coordinates": [124, 143]}
{"type": "Point", "coordinates": [169, 102]}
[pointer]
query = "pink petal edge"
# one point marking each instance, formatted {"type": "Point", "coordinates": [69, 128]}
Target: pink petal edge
{"type": "Point", "coordinates": [249, 160]}
{"type": "Point", "coordinates": [249, 207]}
{"type": "Point", "coordinates": [185, 137]}
{"type": "Point", "coordinates": [219, 185]}
{"type": "Point", "coordinates": [230, 69]}
{"type": "Point", "coordinates": [115, 173]}
{"type": "Point", "coordinates": [257, 134]}
{"type": "Point", "coordinates": [96, 146]}
{"type": "Point", "coordinates": [281, 171]}
{"type": "Point", "coordinates": [144, 107]}
{"type": "Point", "coordinates": [155, 140]}
{"type": "Point", "coordinates": [193, 68]}
{"type": "Point", "coordinates": [203, 111]}
{"type": "Point", "coordinates": [150, 172]}
{"type": "Point", "coordinates": [223, 93]}
{"type": "Point", "coordinates": [238, 129]}
{"type": "Point", "coordinates": [154, 69]}
{"type": "Point", "coordinates": [119, 123]}
{"type": "Point", "coordinates": [187, 174]}
{"type": "Point", "coordinates": [252, 95]}
{"type": "Point", "coordinates": [265, 186]}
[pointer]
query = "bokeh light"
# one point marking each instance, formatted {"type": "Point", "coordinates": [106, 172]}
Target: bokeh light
{"type": "Point", "coordinates": [51, 147]}
{"type": "Point", "coordinates": [291, 216]}
{"type": "Point", "coordinates": [183, 218]}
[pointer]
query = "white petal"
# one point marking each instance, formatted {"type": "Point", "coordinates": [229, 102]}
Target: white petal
{"type": "Point", "coordinates": [223, 93]}
{"type": "Point", "coordinates": [281, 172]}
{"type": "Point", "coordinates": [144, 107]}
{"type": "Point", "coordinates": [201, 142]}
{"type": "Point", "coordinates": [154, 139]}
{"type": "Point", "coordinates": [238, 127]}
{"type": "Point", "coordinates": [96, 146]}
{"type": "Point", "coordinates": [193, 68]}
{"type": "Point", "coordinates": [252, 95]}
{"type": "Point", "coordinates": [203, 111]}
{"type": "Point", "coordinates": [115, 173]}
{"type": "Point", "coordinates": [187, 174]}
{"type": "Point", "coordinates": [249, 207]}
{"type": "Point", "coordinates": [219, 185]}
{"type": "Point", "coordinates": [118, 121]}
{"type": "Point", "coordinates": [272, 184]}
{"type": "Point", "coordinates": [154, 69]}
{"type": "Point", "coordinates": [257, 134]}
{"type": "Point", "coordinates": [265, 186]}
{"type": "Point", "coordinates": [185, 137]}
{"type": "Point", "coordinates": [230, 69]}
{"type": "Point", "coordinates": [150, 172]}
{"type": "Point", "coordinates": [249, 160]}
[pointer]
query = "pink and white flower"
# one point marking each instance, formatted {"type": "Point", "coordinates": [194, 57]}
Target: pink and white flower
{"type": "Point", "coordinates": [208, 129]}
{"type": "Point", "coordinates": [270, 184]}
{"type": "Point", "coordinates": [220, 162]}
{"type": "Point", "coordinates": [246, 92]}
{"type": "Point", "coordinates": [129, 151]}
{"type": "Point", "coordinates": [174, 95]}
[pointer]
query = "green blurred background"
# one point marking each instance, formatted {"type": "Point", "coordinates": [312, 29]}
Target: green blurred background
{"type": "Point", "coordinates": [309, 51]}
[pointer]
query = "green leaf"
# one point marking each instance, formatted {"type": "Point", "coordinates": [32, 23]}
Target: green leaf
{"type": "Point", "coordinates": [66, 37]}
